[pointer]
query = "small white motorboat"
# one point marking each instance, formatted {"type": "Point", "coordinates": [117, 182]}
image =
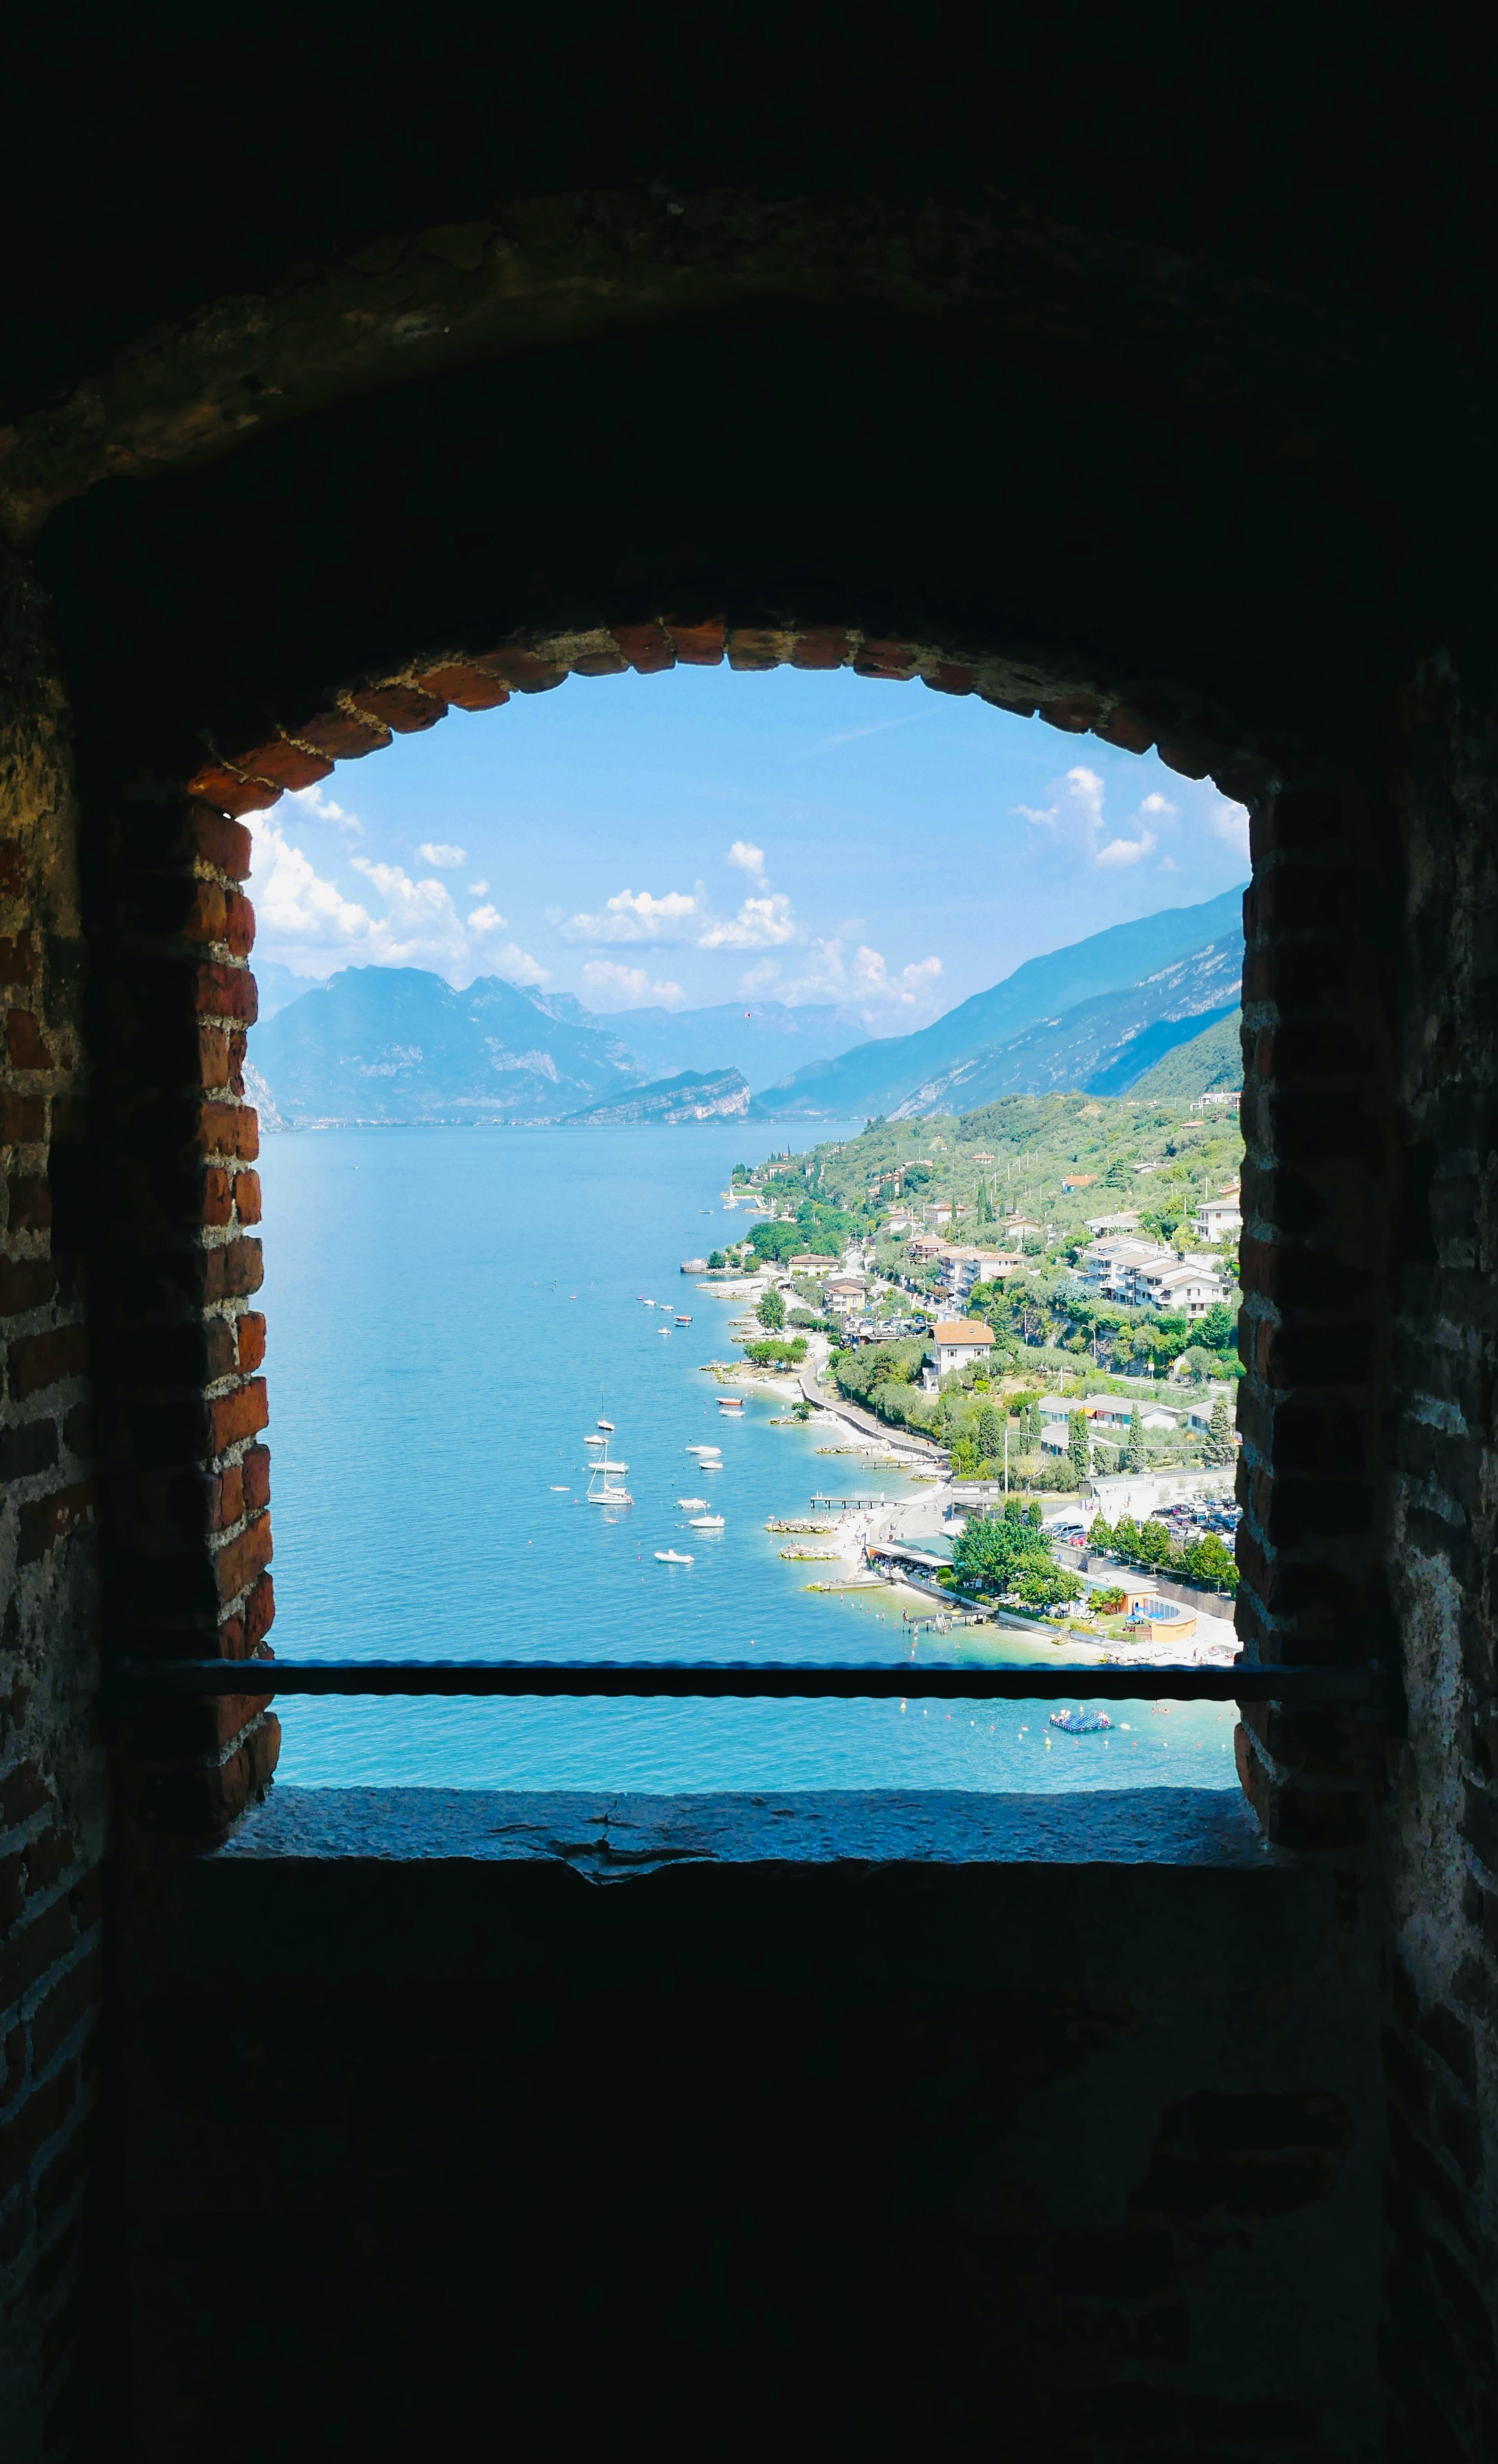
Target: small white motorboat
{"type": "Point", "coordinates": [559, 1488]}
{"type": "Point", "coordinates": [595, 1439]}
{"type": "Point", "coordinates": [671, 1557]}
{"type": "Point", "coordinates": [704, 1450]}
{"type": "Point", "coordinates": [707, 1522]}
{"type": "Point", "coordinates": [692, 1504]}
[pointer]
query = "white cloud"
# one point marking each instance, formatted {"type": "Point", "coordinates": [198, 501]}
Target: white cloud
{"type": "Point", "coordinates": [1077, 813]}
{"type": "Point", "coordinates": [748, 857]}
{"type": "Point", "coordinates": [322, 809]}
{"type": "Point", "coordinates": [516, 965]}
{"type": "Point", "coordinates": [447, 859]}
{"type": "Point", "coordinates": [1157, 803]}
{"type": "Point", "coordinates": [629, 987]}
{"type": "Point", "coordinates": [636, 916]}
{"type": "Point", "coordinates": [486, 919]}
{"type": "Point", "coordinates": [293, 901]}
{"type": "Point", "coordinates": [760, 924]}
{"type": "Point", "coordinates": [865, 980]}
{"type": "Point", "coordinates": [1119, 851]}
{"type": "Point", "coordinates": [478, 889]}
{"type": "Point", "coordinates": [1230, 822]}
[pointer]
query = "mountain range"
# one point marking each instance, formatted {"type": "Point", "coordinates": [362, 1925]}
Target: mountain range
{"type": "Point", "coordinates": [396, 1044]}
{"type": "Point", "coordinates": [878, 1076]}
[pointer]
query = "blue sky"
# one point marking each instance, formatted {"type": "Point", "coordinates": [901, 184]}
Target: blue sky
{"type": "Point", "coordinates": [701, 836]}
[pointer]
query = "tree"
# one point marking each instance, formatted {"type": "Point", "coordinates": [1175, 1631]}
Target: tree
{"type": "Point", "coordinates": [1034, 1425]}
{"type": "Point", "coordinates": [985, 1213]}
{"type": "Point", "coordinates": [1126, 1536]}
{"type": "Point", "coordinates": [990, 1434]}
{"type": "Point", "coordinates": [1219, 1329]}
{"type": "Point", "coordinates": [1153, 1542]}
{"type": "Point", "coordinates": [1076, 1443]}
{"type": "Point", "coordinates": [1099, 1535]}
{"type": "Point", "coordinates": [716, 1261]}
{"type": "Point", "coordinates": [964, 1458]}
{"type": "Point", "coordinates": [1133, 1446]}
{"type": "Point", "coordinates": [1207, 1561]}
{"type": "Point", "coordinates": [1219, 1447]}
{"type": "Point", "coordinates": [771, 1311]}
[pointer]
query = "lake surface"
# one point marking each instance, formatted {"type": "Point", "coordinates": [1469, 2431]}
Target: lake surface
{"type": "Point", "coordinates": [450, 1310]}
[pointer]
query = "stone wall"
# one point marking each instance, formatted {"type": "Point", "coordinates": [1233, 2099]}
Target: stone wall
{"type": "Point", "coordinates": [1441, 1821]}
{"type": "Point", "coordinates": [51, 1776]}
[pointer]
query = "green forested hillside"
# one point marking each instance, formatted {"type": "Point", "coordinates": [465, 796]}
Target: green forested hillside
{"type": "Point", "coordinates": [1209, 1061]}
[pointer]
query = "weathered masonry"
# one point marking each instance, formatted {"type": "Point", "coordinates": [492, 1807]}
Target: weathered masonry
{"type": "Point", "coordinates": [359, 383]}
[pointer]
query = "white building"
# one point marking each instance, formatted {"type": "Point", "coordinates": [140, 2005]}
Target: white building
{"type": "Point", "coordinates": [960, 1341]}
{"type": "Point", "coordinates": [1110, 1266]}
{"type": "Point", "coordinates": [1099, 1224]}
{"type": "Point", "coordinates": [962, 1266]}
{"type": "Point", "coordinates": [1220, 1219]}
{"type": "Point", "coordinates": [1181, 1287]}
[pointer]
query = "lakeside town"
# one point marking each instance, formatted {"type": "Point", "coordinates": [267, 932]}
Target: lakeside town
{"type": "Point", "coordinates": [1060, 1381]}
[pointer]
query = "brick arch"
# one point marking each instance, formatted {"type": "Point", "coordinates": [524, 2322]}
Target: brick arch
{"type": "Point", "coordinates": [366, 716]}
{"type": "Point", "coordinates": [1315, 1118]}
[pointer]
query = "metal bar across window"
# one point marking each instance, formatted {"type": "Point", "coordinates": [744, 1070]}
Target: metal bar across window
{"type": "Point", "coordinates": [884, 1680]}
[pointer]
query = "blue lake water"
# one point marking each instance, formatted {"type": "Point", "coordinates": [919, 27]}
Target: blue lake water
{"type": "Point", "coordinates": [450, 1310]}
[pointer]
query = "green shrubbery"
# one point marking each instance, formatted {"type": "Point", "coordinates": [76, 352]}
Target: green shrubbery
{"type": "Point", "coordinates": [1008, 1555]}
{"type": "Point", "coordinates": [777, 1352]}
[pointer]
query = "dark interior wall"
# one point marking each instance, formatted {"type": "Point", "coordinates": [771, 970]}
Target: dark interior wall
{"type": "Point", "coordinates": [1077, 2160]}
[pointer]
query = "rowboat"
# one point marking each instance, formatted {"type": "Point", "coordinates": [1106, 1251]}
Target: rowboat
{"type": "Point", "coordinates": [730, 1402]}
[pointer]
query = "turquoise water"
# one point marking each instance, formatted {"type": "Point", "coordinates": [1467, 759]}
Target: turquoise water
{"type": "Point", "coordinates": [446, 1308]}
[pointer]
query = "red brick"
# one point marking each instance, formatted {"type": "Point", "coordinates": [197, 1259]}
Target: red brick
{"type": "Point", "coordinates": [217, 785]}
{"type": "Point", "coordinates": [236, 1416]}
{"type": "Point", "coordinates": [25, 1284]}
{"type": "Point", "coordinates": [204, 913]}
{"type": "Point", "coordinates": [31, 1203]}
{"type": "Point", "coordinates": [230, 1129]}
{"type": "Point", "coordinates": [259, 1612]}
{"type": "Point", "coordinates": [233, 1271]}
{"type": "Point", "coordinates": [247, 1196]}
{"type": "Point", "coordinates": [47, 1520]}
{"type": "Point", "coordinates": [895, 661]}
{"type": "Point", "coordinates": [17, 958]}
{"type": "Point", "coordinates": [251, 1339]}
{"type": "Point", "coordinates": [1124, 728]}
{"type": "Point", "coordinates": [283, 764]}
{"type": "Point", "coordinates": [401, 707]}
{"type": "Point", "coordinates": [38, 1360]}
{"type": "Point", "coordinates": [645, 648]}
{"type": "Point", "coordinates": [217, 1204]}
{"type": "Point", "coordinates": [601, 663]}
{"type": "Point", "coordinates": [221, 1350]}
{"type": "Point", "coordinates": [223, 991]}
{"type": "Point", "coordinates": [466, 688]}
{"type": "Point", "coordinates": [212, 1055]}
{"type": "Point", "coordinates": [522, 671]}
{"type": "Point", "coordinates": [1074, 714]}
{"type": "Point", "coordinates": [343, 737]}
{"type": "Point", "coordinates": [13, 868]}
{"type": "Point", "coordinates": [226, 1498]}
{"type": "Point", "coordinates": [699, 644]}
{"type": "Point", "coordinates": [257, 1473]}
{"type": "Point", "coordinates": [948, 679]}
{"type": "Point", "coordinates": [25, 1041]}
{"type": "Point", "coordinates": [753, 649]}
{"type": "Point", "coordinates": [224, 843]}
{"type": "Point", "coordinates": [23, 1119]}
{"type": "Point", "coordinates": [13, 1887]}
{"type": "Point", "coordinates": [239, 1562]}
{"type": "Point", "coordinates": [77, 1430]}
